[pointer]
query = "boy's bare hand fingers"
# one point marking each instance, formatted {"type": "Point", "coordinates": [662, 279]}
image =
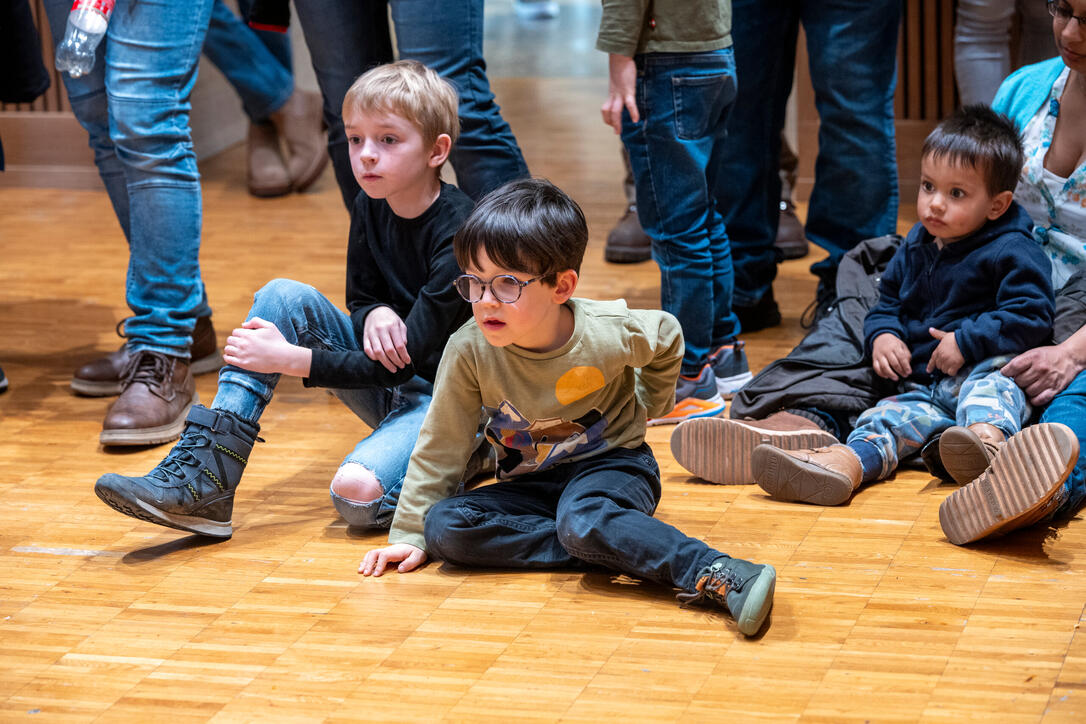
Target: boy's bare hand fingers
{"type": "Point", "coordinates": [631, 106]}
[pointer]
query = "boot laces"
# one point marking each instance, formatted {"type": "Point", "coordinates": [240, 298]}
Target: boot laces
{"type": "Point", "coordinates": [715, 583]}
{"type": "Point", "coordinates": [181, 456]}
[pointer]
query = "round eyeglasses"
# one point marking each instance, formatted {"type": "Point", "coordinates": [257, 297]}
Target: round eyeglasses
{"type": "Point", "coordinates": [1062, 12]}
{"type": "Point", "coordinates": [506, 288]}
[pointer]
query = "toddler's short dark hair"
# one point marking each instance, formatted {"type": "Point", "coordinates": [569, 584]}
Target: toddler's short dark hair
{"type": "Point", "coordinates": [979, 137]}
{"type": "Point", "coordinates": [528, 226]}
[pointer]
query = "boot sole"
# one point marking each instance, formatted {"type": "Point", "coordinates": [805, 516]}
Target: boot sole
{"type": "Point", "coordinates": [963, 454]}
{"type": "Point", "coordinates": [150, 435]}
{"type": "Point", "coordinates": [269, 192]}
{"type": "Point", "coordinates": [142, 511]}
{"type": "Point", "coordinates": [758, 603]}
{"type": "Point", "coordinates": [618, 255]}
{"type": "Point", "coordinates": [110, 388]}
{"type": "Point", "coordinates": [718, 450]}
{"type": "Point", "coordinates": [1025, 475]}
{"type": "Point", "coordinates": [786, 478]}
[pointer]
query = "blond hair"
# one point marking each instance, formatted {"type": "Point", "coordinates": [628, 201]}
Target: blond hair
{"type": "Point", "coordinates": [409, 89]}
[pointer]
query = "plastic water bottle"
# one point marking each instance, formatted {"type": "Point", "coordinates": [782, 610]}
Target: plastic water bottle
{"type": "Point", "coordinates": [87, 23]}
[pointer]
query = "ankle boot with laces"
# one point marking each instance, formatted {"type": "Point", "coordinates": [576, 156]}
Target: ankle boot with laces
{"type": "Point", "coordinates": [192, 489]}
{"type": "Point", "coordinates": [743, 588]}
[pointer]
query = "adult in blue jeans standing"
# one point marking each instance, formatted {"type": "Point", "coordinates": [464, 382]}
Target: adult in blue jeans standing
{"type": "Point", "coordinates": [134, 105]}
{"type": "Point", "coordinates": [851, 46]}
{"type": "Point", "coordinates": [344, 40]}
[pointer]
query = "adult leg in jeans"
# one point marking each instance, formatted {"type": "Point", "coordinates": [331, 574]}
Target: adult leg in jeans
{"type": "Point", "coordinates": [855, 194]}
{"type": "Point", "coordinates": [749, 201]}
{"type": "Point", "coordinates": [448, 37]}
{"type": "Point", "coordinates": [345, 39]}
{"type": "Point", "coordinates": [1069, 408]}
{"type": "Point", "coordinates": [670, 150]}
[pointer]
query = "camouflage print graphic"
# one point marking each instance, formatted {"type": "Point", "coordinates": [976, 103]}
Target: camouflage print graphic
{"type": "Point", "coordinates": [900, 425]}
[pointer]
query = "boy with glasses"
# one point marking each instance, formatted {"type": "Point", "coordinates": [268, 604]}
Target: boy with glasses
{"type": "Point", "coordinates": [380, 360]}
{"type": "Point", "coordinates": [567, 385]}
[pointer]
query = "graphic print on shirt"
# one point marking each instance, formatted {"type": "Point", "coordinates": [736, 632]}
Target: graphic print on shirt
{"type": "Point", "coordinates": [527, 446]}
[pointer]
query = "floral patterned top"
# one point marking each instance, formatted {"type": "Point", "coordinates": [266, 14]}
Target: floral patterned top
{"type": "Point", "coordinates": [1057, 205]}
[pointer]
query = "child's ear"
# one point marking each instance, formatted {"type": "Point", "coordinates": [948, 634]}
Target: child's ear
{"type": "Point", "coordinates": [440, 151]}
{"type": "Point", "coordinates": [1000, 203]}
{"type": "Point", "coordinates": [564, 286]}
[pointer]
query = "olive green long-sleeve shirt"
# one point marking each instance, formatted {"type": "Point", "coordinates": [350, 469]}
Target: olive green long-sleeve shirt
{"type": "Point", "coordinates": [631, 27]}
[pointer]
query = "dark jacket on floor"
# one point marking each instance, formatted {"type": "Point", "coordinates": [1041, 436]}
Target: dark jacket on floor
{"type": "Point", "coordinates": [992, 289]}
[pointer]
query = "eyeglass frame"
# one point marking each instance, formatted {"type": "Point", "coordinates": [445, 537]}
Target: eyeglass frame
{"type": "Point", "coordinates": [489, 285]}
{"type": "Point", "coordinates": [1052, 10]}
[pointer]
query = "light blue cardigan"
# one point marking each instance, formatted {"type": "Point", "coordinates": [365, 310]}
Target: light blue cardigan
{"type": "Point", "coordinates": [1026, 89]}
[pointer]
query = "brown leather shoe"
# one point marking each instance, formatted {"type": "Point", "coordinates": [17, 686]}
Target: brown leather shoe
{"type": "Point", "coordinates": [102, 377]}
{"type": "Point", "coordinates": [824, 476]}
{"type": "Point", "coordinates": [718, 450]}
{"type": "Point", "coordinates": [791, 237]}
{"type": "Point", "coordinates": [628, 243]}
{"type": "Point", "coordinates": [158, 392]}
{"type": "Point", "coordinates": [267, 173]}
{"type": "Point", "coordinates": [300, 123]}
{"type": "Point", "coordinates": [1023, 485]}
{"type": "Point", "coordinates": [966, 452]}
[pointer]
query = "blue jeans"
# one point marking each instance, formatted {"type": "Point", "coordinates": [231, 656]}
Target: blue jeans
{"type": "Point", "coordinates": [1069, 407]}
{"type": "Point", "coordinates": [676, 152]}
{"type": "Point", "coordinates": [344, 40]}
{"type": "Point", "coordinates": [256, 62]}
{"type": "Point", "coordinates": [596, 511]}
{"type": "Point", "coordinates": [851, 45]}
{"type": "Point", "coordinates": [307, 318]}
{"type": "Point", "coordinates": [134, 105]}
{"type": "Point", "coordinates": [898, 426]}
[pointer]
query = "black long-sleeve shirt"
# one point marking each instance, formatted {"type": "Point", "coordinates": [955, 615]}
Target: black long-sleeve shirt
{"type": "Point", "coordinates": [407, 265]}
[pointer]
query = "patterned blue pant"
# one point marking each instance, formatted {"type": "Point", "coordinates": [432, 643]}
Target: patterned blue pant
{"type": "Point", "coordinates": [898, 426]}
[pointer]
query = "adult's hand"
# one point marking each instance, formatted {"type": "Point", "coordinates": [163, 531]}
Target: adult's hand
{"type": "Point", "coordinates": [622, 93]}
{"type": "Point", "coordinates": [1043, 372]}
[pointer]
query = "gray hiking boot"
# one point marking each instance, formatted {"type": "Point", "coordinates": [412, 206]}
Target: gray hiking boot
{"type": "Point", "coordinates": [745, 589]}
{"type": "Point", "coordinates": [192, 489]}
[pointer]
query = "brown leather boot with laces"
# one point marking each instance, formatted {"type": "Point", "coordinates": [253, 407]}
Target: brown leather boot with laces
{"type": "Point", "coordinates": [158, 392]}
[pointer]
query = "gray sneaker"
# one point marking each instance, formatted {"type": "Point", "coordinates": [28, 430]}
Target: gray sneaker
{"type": "Point", "coordinates": [192, 489]}
{"type": "Point", "coordinates": [745, 589]}
{"type": "Point", "coordinates": [730, 368]}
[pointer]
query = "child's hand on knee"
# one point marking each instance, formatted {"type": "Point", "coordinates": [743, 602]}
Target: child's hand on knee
{"type": "Point", "coordinates": [947, 357]}
{"type": "Point", "coordinates": [890, 357]}
{"type": "Point", "coordinates": [408, 556]}
{"type": "Point", "coordinates": [384, 339]}
{"type": "Point", "coordinates": [259, 346]}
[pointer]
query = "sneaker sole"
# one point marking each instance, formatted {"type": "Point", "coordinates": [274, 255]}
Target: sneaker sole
{"type": "Point", "coordinates": [111, 388]}
{"type": "Point", "coordinates": [728, 386]}
{"type": "Point", "coordinates": [1025, 475]}
{"type": "Point", "coordinates": [150, 435]}
{"type": "Point", "coordinates": [718, 450]}
{"type": "Point", "coordinates": [786, 478]}
{"type": "Point", "coordinates": [142, 511]}
{"type": "Point", "coordinates": [758, 603]}
{"type": "Point", "coordinates": [963, 454]}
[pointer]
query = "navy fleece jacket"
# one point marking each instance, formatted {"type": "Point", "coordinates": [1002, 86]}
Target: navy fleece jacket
{"type": "Point", "coordinates": [992, 289]}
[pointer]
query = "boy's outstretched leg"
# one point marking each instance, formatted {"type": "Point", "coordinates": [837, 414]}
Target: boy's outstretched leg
{"type": "Point", "coordinates": [1024, 484]}
{"type": "Point", "coordinates": [192, 489]}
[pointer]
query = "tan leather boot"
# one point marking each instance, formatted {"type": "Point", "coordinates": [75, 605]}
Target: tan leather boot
{"type": "Point", "coordinates": [718, 450]}
{"type": "Point", "coordinates": [158, 392]}
{"type": "Point", "coordinates": [966, 452]}
{"type": "Point", "coordinates": [628, 243]}
{"type": "Point", "coordinates": [267, 173]}
{"type": "Point", "coordinates": [102, 377]}
{"type": "Point", "coordinates": [791, 236]}
{"type": "Point", "coordinates": [1023, 485]}
{"type": "Point", "coordinates": [824, 476]}
{"type": "Point", "coordinates": [300, 123]}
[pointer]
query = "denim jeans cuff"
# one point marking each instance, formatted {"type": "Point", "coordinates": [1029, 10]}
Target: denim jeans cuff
{"type": "Point", "coordinates": [360, 515]}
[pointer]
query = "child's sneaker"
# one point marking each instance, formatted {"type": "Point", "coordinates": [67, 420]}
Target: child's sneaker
{"type": "Point", "coordinates": [192, 489]}
{"type": "Point", "coordinates": [745, 589]}
{"type": "Point", "coordinates": [718, 449]}
{"type": "Point", "coordinates": [1024, 484]}
{"type": "Point", "coordinates": [730, 368]}
{"type": "Point", "coordinates": [964, 454]}
{"type": "Point", "coordinates": [694, 397]}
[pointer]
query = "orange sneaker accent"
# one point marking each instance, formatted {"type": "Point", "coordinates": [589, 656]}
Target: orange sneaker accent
{"type": "Point", "coordinates": [689, 408]}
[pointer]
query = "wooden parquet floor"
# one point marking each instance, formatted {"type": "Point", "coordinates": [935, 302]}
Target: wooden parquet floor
{"type": "Point", "coordinates": [105, 618]}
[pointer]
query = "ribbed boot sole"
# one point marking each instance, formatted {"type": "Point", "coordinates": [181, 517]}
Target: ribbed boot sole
{"type": "Point", "coordinates": [1024, 477]}
{"type": "Point", "coordinates": [718, 450]}
{"type": "Point", "coordinates": [142, 511]}
{"type": "Point", "coordinates": [963, 454]}
{"type": "Point", "coordinates": [786, 478]}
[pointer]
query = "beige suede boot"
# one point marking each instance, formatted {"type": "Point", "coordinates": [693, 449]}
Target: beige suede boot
{"type": "Point", "coordinates": [966, 452]}
{"type": "Point", "coordinates": [824, 476]}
